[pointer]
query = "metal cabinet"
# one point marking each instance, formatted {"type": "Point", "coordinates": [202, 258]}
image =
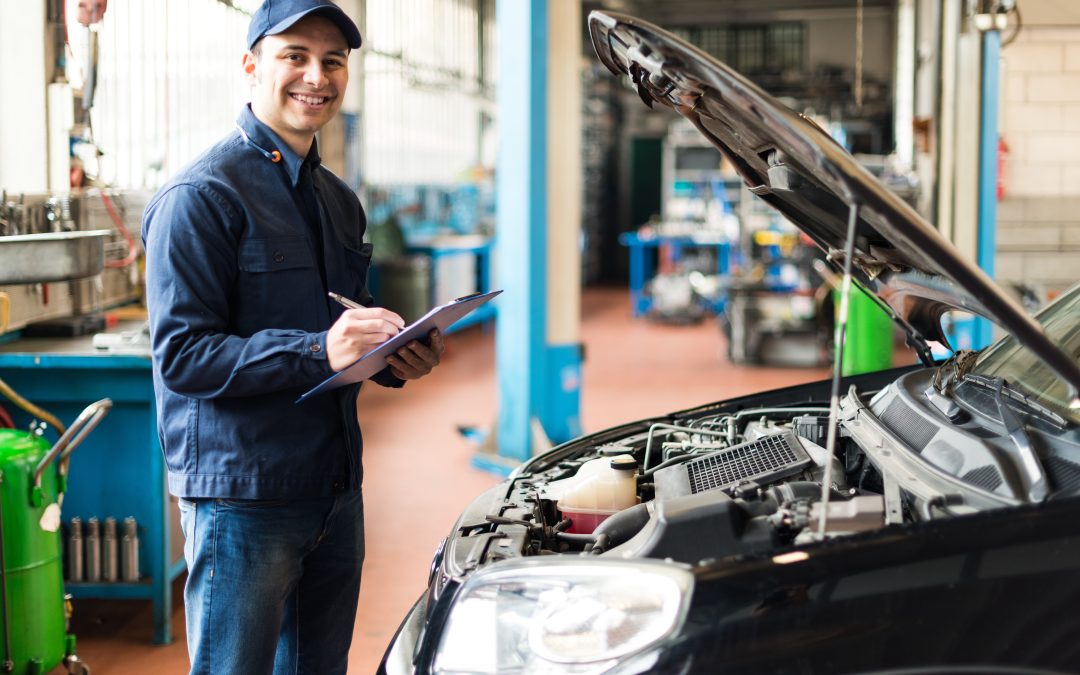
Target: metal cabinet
{"type": "Point", "coordinates": [119, 470]}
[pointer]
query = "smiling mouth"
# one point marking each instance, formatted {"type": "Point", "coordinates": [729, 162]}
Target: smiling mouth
{"type": "Point", "coordinates": [310, 100]}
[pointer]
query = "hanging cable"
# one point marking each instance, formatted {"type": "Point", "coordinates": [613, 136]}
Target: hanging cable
{"type": "Point", "coordinates": [858, 53]}
{"type": "Point", "coordinates": [838, 362]}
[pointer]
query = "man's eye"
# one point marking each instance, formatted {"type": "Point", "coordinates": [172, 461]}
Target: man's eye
{"type": "Point", "coordinates": [295, 57]}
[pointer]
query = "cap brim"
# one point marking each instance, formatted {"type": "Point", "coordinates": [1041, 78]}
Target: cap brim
{"type": "Point", "coordinates": [340, 19]}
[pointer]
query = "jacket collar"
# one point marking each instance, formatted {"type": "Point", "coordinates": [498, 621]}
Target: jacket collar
{"type": "Point", "coordinates": [267, 140]}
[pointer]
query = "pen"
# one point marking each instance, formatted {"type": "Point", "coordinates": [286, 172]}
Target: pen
{"type": "Point", "coordinates": [345, 302]}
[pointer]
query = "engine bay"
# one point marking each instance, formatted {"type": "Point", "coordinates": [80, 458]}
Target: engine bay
{"type": "Point", "coordinates": [734, 481]}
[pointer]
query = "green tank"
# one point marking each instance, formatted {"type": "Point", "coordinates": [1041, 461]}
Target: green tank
{"type": "Point", "coordinates": [35, 620]}
{"type": "Point", "coordinates": [34, 614]}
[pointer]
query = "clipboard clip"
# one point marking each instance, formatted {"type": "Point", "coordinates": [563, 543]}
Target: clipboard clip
{"type": "Point", "coordinates": [470, 295]}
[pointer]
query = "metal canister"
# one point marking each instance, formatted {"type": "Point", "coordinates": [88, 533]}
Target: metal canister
{"type": "Point", "coordinates": [110, 561]}
{"type": "Point", "coordinates": [93, 550]}
{"type": "Point", "coordinates": [75, 550]}
{"type": "Point", "coordinates": [129, 551]}
{"type": "Point", "coordinates": [32, 584]}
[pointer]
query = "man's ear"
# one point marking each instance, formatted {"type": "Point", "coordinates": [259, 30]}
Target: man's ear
{"type": "Point", "coordinates": [249, 67]}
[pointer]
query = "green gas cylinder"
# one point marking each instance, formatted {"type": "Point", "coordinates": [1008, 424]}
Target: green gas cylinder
{"type": "Point", "coordinates": [33, 611]}
{"type": "Point", "coordinates": [34, 636]}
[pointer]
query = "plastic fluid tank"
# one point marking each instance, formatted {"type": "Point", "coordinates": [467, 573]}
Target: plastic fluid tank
{"type": "Point", "coordinates": [33, 576]}
{"type": "Point", "coordinates": [601, 487]}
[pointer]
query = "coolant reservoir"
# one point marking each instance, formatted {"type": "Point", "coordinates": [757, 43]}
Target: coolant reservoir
{"type": "Point", "coordinates": [601, 487]}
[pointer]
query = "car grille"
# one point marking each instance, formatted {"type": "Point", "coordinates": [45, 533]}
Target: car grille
{"type": "Point", "coordinates": [1064, 475]}
{"type": "Point", "coordinates": [762, 461]}
{"type": "Point", "coordinates": [986, 477]}
{"type": "Point", "coordinates": [905, 422]}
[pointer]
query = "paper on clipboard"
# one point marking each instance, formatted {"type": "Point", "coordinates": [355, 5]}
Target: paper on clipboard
{"type": "Point", "coordinates": [441, 317]}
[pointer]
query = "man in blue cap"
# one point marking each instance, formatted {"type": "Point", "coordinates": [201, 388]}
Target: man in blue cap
{"type": "Point", "coordinates": [242, 247]}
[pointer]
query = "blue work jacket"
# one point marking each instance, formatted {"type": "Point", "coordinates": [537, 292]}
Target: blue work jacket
{"type": "Point", "coordinates": [236, 289]}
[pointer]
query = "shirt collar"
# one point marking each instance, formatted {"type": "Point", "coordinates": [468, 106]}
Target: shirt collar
{"type": "Point", "coordinates": [265, 137]}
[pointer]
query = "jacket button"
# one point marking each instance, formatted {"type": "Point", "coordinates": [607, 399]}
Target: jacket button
{"type": "Point", "coordinates": [338, 485]}
{"type": "Point", "coordinates": [316, 347]}
{"type": "Point", "coordinates": [279, 256]}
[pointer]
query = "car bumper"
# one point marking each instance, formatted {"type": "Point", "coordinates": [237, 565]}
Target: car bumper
{"type": "Point", "coordinates": [398, 659]}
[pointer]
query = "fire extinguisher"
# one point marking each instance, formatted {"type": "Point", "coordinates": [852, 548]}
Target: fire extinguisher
{"type": "Point", "coordinates": [1002, 151]}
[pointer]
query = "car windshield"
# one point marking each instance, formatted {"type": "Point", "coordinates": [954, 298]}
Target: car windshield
{"type": "Point", "coordinates": [1024, 369]}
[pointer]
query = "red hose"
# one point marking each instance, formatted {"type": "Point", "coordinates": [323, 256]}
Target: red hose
{"type": "Point", "coordinates": [5, 419]}
{"type": "Point", "coordinates": [133, 251]}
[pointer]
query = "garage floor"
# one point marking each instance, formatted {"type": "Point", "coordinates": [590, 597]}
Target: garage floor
{"type": "Point", "coordinates": [417, 470]}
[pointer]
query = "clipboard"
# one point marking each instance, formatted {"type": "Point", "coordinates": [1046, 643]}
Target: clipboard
{"type": "Point", "coordinates": [441, 317]}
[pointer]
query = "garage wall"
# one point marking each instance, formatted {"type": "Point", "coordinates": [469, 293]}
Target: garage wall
{"type": "Point", "coordinates": [831, 40]}
{"type": "Point", "coordinates": [1039, 219]}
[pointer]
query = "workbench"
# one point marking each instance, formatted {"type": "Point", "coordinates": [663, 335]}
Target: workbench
{"type": "Point", "coordinates": [475, 251]}
{"type": "Point", "coordinates": [119, 470]}
{"type": "Point", "coordinates": [644, 249]}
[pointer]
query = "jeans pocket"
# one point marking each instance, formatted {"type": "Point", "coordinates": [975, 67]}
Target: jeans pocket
{"type": "Point", "coordinates": [188, 509]}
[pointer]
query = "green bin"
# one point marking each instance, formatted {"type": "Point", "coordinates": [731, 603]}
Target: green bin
{"type": "Point", "coordinates": [868, 344]}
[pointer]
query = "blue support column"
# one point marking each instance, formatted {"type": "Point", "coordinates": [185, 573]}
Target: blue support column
{"type": "Point", "coordinates": [538, 353]}
{"type": "Point", "coordinates": [988, 153]}
{"type": "Point", "coordinates": [521, 220]}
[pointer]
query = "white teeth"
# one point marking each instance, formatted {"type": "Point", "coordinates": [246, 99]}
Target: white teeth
{"type": "Point", "coordinates": [310, 100]}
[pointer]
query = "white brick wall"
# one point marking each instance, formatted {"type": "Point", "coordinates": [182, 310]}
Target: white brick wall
{"type": "Point", "coordinates": [1038, 235]}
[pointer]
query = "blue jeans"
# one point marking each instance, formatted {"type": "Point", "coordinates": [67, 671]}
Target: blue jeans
{"type": "Point", "coordinates": [272, 585]}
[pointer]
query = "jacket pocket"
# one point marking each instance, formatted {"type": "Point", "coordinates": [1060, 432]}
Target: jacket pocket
{"type": "Point", "coordinates": [279, 285]}
{"type": "Point", "coordinates": [275, 253]}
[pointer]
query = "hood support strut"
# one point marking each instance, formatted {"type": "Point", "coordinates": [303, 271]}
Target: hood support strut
{"type": "Point", "coordinates": [838, 363]}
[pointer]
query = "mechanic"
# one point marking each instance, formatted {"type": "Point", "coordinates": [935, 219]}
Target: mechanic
{"type": "Point", "coordinates": [242, 248]}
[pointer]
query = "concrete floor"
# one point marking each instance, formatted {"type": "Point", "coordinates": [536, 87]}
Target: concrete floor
{"type": "Point", "coordinates": [417, 471]}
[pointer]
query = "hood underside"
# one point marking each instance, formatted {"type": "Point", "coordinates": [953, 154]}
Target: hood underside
{"type": "Point", "coordinates": [796, 168]}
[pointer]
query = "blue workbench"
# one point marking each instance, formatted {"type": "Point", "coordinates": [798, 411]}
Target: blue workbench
{"type": "Point", "coordinates": [119, 470]}
{"type": "Point", "coordinates": [643, 264]}
{"type": "Point", "coordinates": [447, 247]}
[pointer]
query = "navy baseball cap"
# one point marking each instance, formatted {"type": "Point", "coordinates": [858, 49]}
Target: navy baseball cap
{"type": "Point", "coordinates": [277, 16]}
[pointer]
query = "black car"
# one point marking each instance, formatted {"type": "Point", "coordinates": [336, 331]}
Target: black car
{"type": "Point", "coordinates": [916, 520]}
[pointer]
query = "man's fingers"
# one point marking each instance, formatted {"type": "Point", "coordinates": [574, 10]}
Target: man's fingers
{"type": "Point", "coordinates": [375, 314]}
{"type": "Point", "coordinates": [410, 357]}
{"type": "Point", "coordinates": [435, 341]}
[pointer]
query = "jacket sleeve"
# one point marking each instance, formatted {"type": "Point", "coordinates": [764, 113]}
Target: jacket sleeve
{"type": "Point", "coordinates": [191, 270]}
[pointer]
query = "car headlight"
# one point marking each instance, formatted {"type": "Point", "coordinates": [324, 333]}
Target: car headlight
{"type": "Point", "coordinates": [565, 616]}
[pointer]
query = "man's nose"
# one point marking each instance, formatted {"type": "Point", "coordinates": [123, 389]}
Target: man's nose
{"type": "Point", "coordinates": [315, 75]}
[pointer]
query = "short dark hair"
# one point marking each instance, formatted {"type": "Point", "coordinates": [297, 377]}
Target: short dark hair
{"type": "Point", "coordinates": [256, 48]}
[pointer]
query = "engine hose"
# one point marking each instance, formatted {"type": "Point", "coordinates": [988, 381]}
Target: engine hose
{"type": "Point", "coordinates": [789, 492]}
{"type": "Point", "coordinates": [571, 538]}
{"type": "Point", "coordinates": [30, 408]}
{"type": "Point", "coordinates": [620, 527]}
{"type": "Point", "coordinates": [602, 544]}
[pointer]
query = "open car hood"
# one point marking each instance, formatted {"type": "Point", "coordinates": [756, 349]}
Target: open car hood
{"type": "Point", "coordinates": [802, 172]}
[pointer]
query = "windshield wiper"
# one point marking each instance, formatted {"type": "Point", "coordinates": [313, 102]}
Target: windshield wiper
{"type": "Point", "coordinates": [958, 365]}
{"type": "Point", "coordinates": [1038, 486]}
{"type": "Point", "coordinates": [1018, 394]}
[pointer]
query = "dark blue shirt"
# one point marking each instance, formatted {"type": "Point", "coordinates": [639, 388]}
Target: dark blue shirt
{"type": "Point", "coordinates": [240, 252]}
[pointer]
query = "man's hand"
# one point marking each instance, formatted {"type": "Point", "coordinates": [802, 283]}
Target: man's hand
{"type": "Point", "coordinates": [416, 359]}
{"type": "Point", "coordinates": [358, 331]}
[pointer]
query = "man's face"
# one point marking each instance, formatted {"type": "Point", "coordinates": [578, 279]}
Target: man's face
{"type": "Point", "coordinates": [298, 79]}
